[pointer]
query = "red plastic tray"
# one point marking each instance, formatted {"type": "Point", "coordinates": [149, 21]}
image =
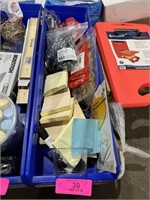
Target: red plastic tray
{"type": "Point", "coordinates": [125, 84]}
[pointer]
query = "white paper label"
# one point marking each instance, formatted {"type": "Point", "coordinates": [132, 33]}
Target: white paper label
{"type": "Point", "coordinates": [66, 54]}
{"type": "Point", "coordinates": [80, 64]}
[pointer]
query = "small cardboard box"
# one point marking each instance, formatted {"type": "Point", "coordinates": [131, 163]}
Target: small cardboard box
{"type": "Point", "coordinates": [125, 10]}
{"type": "Point", "coordinates": [9, 68]}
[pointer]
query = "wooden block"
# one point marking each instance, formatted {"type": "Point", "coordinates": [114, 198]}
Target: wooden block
{"type": "Point", "coordinates": [55, 82]}
{"type": "Point", "coordinates": [22, 96]}
{"type": "Point", "coordinates": [56, 103]}
{"type": "Point", "coordinates": [60, 116]}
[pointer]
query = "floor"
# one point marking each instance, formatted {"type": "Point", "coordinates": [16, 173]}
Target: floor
{"type": "Point", "coordinates": [135, 183]}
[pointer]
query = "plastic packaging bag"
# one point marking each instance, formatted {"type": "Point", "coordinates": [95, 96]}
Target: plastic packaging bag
{"type": "Point", "coordinates": [61, 49]}
{"type": "Point", "coordinates": [53, 21]}
{"type": "Point", "coordinates": [118, 120]}
{"type": "Point", "coordinates": [12, 8]}
{"type": "Point", "coordinates": [85, 91]}
{"type": "Point", "coordinates": [81, 72]}
{"type": "Point", "coordinates": [100, 111]}
{"type": "Point", "coordinates": [12, 29]}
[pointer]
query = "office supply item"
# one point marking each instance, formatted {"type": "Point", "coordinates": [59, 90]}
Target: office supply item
{"type": "Point", "coordinates": [60, 116]}
{"type": "Point", "coordinates": [85, 135]}
{"type": "Point", "coordinates": [64, 145]}
{"type": "Point", "coordinates": [28, 49]}
{"type": "Point", "coordinates": [79, 134]}
{"type": "Point", "coordinates": [54, 129]}
{"type": "Point", "coordinates": [78, 113]}
{"type": "Point", "coordinates": [55, 82]}
{"type": "Point", "coordinates": [53, 155]}
{"type": "Point", "coordinates": [9, 64]}
{"type": "Point", "coordinates": [56, 103]}
{"type": "Point", "coordinates": [27, 61]}
{"type": "Point", "coordinates": [127, 77]}
{"type": "Point", "coordinates": [44, 135]}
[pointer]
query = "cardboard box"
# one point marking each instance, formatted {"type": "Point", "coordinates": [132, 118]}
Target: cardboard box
{"type": "Point", "coordinates": [125, 10]}
{"type": "Point", "coordinates": [9, 68]}
{"type": "Point", "coordinates": [142, 21]}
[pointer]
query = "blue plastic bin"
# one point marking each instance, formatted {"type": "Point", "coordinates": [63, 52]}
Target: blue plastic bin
{"type": "Point", "coordinates": [95, 9]}
{"type": "Point", "coordinates": [28, 12]}
{"type": "Point", "coordinates": [39, 170]}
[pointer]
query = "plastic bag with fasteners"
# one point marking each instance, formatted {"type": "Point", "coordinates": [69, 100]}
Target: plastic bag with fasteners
{"type": "Point", "coordinates": [85, 91]}
{"type": "Point", "coordinates": [61, 51]}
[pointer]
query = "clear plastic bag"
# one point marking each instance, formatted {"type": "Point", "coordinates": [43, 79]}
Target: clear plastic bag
{"type": "Point", "coordinates": [61, 49]}
{"type": "Point", "coordinates": [13, 32]}
{"type": "Point", "coordinates": [118, 120]}
{"type": "Point", "coordinates": [12, 29]}
{"type": "Point", "coordinates": [85, 91]}
{"type": "Point", "coordinates": [53, 21]}
{"type": "Point", "coordinates": [12, 9]}
{"type": "Point", "coordinates": [100, 111]}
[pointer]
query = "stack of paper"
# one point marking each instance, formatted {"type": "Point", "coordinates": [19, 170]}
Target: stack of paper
{"type": "Point", "coordinates": [56, 103]}
{"type": "Point", "coordinates": [59, 116]}
{"type": "Point", "coordinates": [56, 126]}
{"type": "Point", "coordinates": [55, 83]}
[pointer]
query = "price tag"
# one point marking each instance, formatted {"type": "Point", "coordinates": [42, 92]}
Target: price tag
{"type": "Point", "coordinates": [80, 63]}
{"type": "Point", "coordinates": [74, 186]}
{"type": "Point", "coordinates": [66, 54]}
{"type": "Point", "coordinates": [4, 183]}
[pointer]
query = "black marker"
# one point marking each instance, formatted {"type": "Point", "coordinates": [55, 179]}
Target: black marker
{"type": "Point", "coordinates": [44, 135]}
